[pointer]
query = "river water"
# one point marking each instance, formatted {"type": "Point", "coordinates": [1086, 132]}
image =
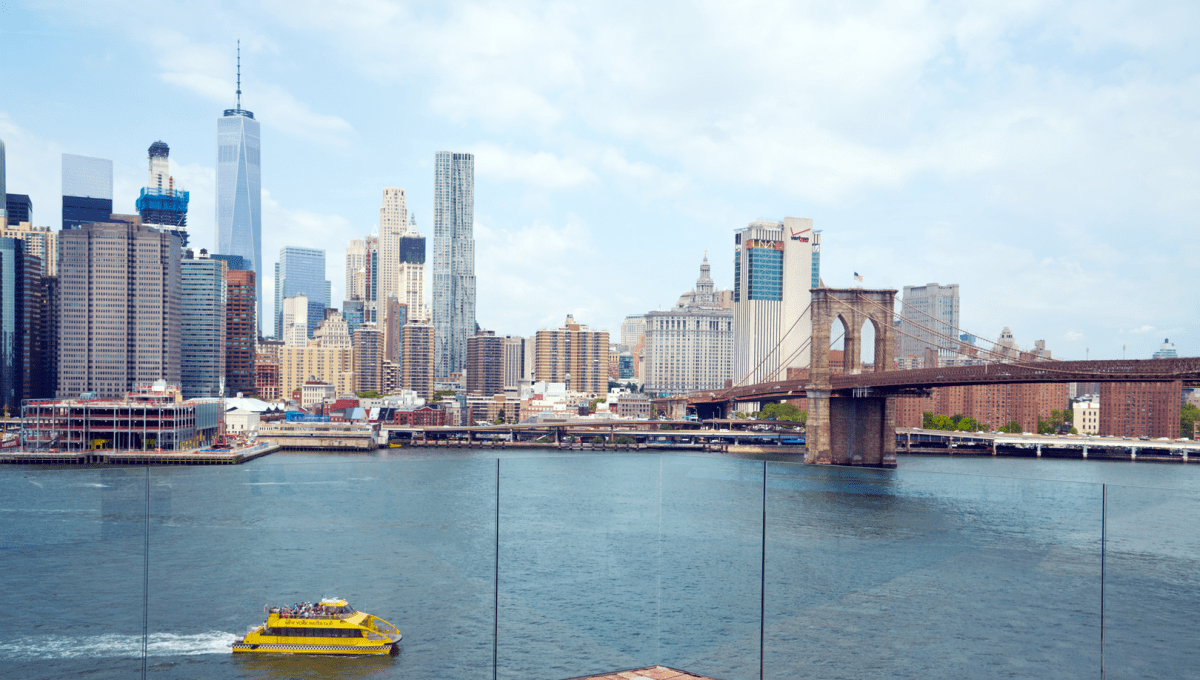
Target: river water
{"type": "Point", "coordinates": [944, 568]}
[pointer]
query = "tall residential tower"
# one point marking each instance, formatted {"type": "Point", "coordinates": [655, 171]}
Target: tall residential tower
{"type": "Point", "coordinates": [453, 293]}
{"type": "Point", "coordinates": [239, 188]}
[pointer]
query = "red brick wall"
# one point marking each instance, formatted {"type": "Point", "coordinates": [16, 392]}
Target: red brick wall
{"type": "Point", "coordinates": [1140, 409]}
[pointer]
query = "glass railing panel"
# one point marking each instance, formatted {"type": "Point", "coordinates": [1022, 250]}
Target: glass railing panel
{"type": "Point", "coordinates": [1152, 581]}
{"type": "Point", "coordinates": [579, 565]}
{"type": "Point", "coordinates": [410, 541]}
{"type": "Point", "coordinates": [710, 544]}
{"type": "Point", "coordinates": [72, 542]}
{"type": "Point", "coordinates": [874, 573]}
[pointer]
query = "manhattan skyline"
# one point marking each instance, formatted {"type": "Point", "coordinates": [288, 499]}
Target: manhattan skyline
{"type": "Point", "coordinates": [930, 144]}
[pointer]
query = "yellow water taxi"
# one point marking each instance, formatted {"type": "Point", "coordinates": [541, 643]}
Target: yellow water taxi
{"type": "Point", "coordinates": [329, 626]}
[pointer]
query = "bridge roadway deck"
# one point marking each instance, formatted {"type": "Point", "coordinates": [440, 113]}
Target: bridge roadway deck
{"type": "Point", "coordinates": [895, 382]}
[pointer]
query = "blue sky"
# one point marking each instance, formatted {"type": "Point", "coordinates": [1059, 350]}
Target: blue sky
{"type": "Point", "coordinates": [1045, 156]}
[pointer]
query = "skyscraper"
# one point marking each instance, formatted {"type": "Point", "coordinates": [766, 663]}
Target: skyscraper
{"type": "Point", "coordinates": [393, 224]}
{"type": "Point", "coordinates": [417, 357]}
{"type": "Point", "coordinates": [202, 325]}
{"type": "Point", "coordinates": [412, 271]}
{"type": "Point", "coordinates": [453, 293]}
{"type": "Point", "coordinates": [3, 183]}
{"type": "Point", "coordinates": [356, 264]}
{"type": "Point", "coordinates": [23, 372]}
{"type": "Point", "coordinates": [240, 331]}
{"type": "Point", "coordinates": [295, 320]}
{"type": "Point", "coordinates": [87, 190]}
{"type": "Point", "coordinates": [160, 204]}
{"type": "Point", "coordinates": [239, 188]}
{"type": "Point", "coordinates": [575, 355]}
{"type": "Point", "coordinates": [132, 273]}
{"type": "Point", "coordinates": [301, 271]}
{"type": "Point", "coordinates": [485, 364]}
{"type": "Point", "coordinates": [919, 304]}
{"type": "Point", "coordinates": [19, 208]}
{"type": "Point", "coordinates": [772, 272]}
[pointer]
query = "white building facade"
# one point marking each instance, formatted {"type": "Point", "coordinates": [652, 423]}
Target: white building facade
{"type": "Point", "coordinates": [690, 347]}
{"type": "Point", "coordinates": [775, 268]}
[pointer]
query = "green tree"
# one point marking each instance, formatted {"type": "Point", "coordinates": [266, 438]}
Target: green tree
{"type": "Point", "coordinates": [785, 412]}
{"type": "Point", "coordinates": [369, 394]}
{"type": "Point", "coordinates": [1188, 415]}
{"type": "Point", "coordinates": [443, 393]}
{"type": "Point", "coordinates": [966, 424]}
{"type": "Point", "coordinates": [624, 440]}
{"type": "Point", "coordinates": [597, 440]}
{"type": "Point", "coordinates": [927, 420]}
{"type": "Point", "coordinates": [666, 426]}
{"type": "Point", "coordinates": [1045, 426]}
{"type": "Point", "coordinates": [1013, 427]}
{"type": "Point", "coordinates": [944, 423]}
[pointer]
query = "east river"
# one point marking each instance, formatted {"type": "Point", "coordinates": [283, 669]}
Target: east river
{"type": "Point", "coordinates": [943, 568]}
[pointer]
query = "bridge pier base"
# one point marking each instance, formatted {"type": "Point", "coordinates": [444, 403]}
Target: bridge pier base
{"type": "Point", "coordinates": [851, 430]}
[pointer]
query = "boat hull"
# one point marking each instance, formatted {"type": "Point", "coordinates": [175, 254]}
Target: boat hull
{"type": "Point", "coordinates": [309, 648]}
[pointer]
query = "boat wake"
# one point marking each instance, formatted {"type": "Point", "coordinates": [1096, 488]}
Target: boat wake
{"type": "Point", "coordinates": [115, 646]}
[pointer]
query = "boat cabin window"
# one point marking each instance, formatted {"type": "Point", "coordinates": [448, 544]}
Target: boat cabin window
{"type": "Point", "coordinates": [314, 632]}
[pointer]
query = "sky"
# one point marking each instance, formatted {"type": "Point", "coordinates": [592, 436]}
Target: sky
{"type": "Point", "coordinates": [1045, 156]}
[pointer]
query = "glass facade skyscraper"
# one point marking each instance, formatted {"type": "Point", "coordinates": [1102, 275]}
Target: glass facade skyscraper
{"type": "Point", "coordinates": [301, 271]}
{"type": "Point", "coordinates": [239, 189]}
{"type": "Point", "coordinates": [3, 181]}
{"type": "Point", "coordinates": [202, 321]}
{"type": "Point", "coordinates": [87, 190]}
{"type": "Point", "coordinates": [453, 260]}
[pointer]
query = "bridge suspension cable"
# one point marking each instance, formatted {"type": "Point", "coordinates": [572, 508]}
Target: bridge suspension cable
{"type": "Point", "coordinates": [903, 319]}
{"type": "Point", "coordinates": [997, 356]}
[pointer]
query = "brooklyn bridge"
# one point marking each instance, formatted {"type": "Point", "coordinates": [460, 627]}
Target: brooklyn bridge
{"type": "Point", "coordinates": [852, 413]}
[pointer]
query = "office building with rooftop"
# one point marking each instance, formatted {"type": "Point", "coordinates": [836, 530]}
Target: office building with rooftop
{"type": "Point", "coordinates": [24, 372]}
{"type": "Point", "coordinates": [774, 272]}
{"type": "Point", "coordinates": [87, 190]}
{"type": "Point", "coordinates": [18, 208]}
{"type": "Point", "coordinates": [575, 355]}
{"type": "Point", "coordinates": [929, 319]}
{"type": "Point", "coordinates": [202, 325]}
{"type": "Point", "coordinates": [301, 271]}
{"type": "Point", "coordinates": [120, 319]}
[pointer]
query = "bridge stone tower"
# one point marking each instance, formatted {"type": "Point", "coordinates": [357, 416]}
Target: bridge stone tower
{"type": "Point", "coordinates": [857, 428]}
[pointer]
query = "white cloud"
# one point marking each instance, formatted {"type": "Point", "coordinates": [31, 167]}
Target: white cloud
{"type": "Point", "coordinates": [1141, 329]}
{"type": "Point", "coordinates": [539, 273]}
{"type": "Point", "coordinates": [542, 170]}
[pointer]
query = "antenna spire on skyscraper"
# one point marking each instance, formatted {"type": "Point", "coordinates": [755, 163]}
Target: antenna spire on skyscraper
{"type": "Point", "coordinates": [239, 74]}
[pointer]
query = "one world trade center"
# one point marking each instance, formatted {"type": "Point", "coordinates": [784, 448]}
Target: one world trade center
{"type": "Point", "coordinates": [239, 189]}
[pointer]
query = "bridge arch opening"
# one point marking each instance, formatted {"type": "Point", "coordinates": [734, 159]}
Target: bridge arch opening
{"type": "Point", "coordinates": [867, 361]}
{"type": "Point", "coordinates": [840, 334]}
